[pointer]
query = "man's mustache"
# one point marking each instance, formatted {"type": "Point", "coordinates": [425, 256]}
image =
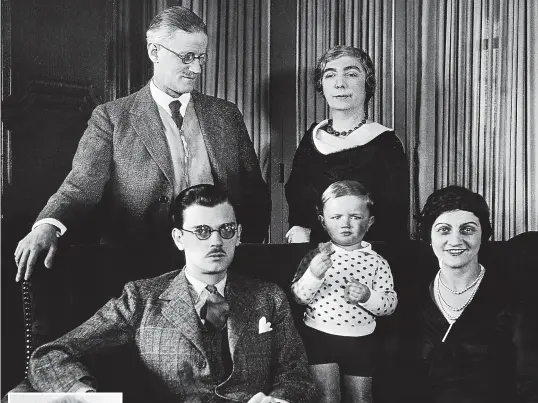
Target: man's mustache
{"type": "Point", "coordinates": [216, 250]}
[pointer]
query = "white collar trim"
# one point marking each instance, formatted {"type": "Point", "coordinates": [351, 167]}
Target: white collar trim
{"type": "Point", "coordinates": [163, 99]}
{"type": "Point", "coordinates": [365, 247]}
{"type": "Point", "coordinates": [327, 143]}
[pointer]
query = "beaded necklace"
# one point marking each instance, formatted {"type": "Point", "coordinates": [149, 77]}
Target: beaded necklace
{"type": "Point", "coordinates": [329, 129]}
{"type": "Point", "coordinates": [467, 288]}
{"type": "Point", "coordinates": [446, 307]}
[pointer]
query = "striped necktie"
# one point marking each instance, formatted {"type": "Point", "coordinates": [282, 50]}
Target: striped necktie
{"type": "Point", "coordinates": [178, 119]}
{"type": "Point", "coordinates": [215, 311]}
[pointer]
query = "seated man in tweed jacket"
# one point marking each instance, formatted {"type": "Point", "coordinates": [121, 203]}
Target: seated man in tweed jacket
{"type": "Point", "coordinates": [204, 334]}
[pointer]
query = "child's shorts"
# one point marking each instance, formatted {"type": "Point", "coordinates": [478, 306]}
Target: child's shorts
{"type": "Point", "coordinates": [355, 356]}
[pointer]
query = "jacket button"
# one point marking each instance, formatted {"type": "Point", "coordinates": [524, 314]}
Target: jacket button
{"type": "Point", "coordinates": [163, 199]}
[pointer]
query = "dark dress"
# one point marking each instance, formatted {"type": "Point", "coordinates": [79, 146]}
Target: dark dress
{"type": "Point", "coordinates": [380, 165]}
{"type": "Point", "coordinates": [477, 361]}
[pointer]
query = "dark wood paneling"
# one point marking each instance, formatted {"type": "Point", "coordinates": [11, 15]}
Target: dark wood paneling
{"type": "Point", "coordinates": [59, 40]}
{"type": "Point", "coordinates": [45, 126]}
{"type": "Point", "coordinates": [57, 69]}
{"type": "Point", "coordinates": [53, 61]}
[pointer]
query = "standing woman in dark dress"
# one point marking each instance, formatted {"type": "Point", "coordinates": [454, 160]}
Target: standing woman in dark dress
{"type": "Point", "coordinates": [348, 146]}
{"type": "Point", "coordinates": [468, 317]}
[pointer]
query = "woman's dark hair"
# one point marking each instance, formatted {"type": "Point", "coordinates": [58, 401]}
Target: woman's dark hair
{"type": "Point", "coordinates": [202, 195]}
{"type": "Point", "coordinates": [453, 198]}
{"type": "Point", "coordinates": [339, 51]}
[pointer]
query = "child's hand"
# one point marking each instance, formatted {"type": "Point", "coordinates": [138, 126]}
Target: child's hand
{"type": "Point", "coordinates": [356, 292]}
{"type": "Point", "coordinates": [320, 264]}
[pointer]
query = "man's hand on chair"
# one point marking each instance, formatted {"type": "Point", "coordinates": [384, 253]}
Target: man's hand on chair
{"type": "Point", "coordinates": [41, 238]}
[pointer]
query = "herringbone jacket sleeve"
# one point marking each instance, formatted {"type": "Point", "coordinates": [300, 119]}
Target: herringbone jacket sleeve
{"type": "Point", "coordinates": [83, 187]}
{"type": "Point", "coordinates": [56, 366]}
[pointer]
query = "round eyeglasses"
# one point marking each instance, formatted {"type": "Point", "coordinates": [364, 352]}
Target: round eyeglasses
{"type": "Point", "coordinates": [189, 57]}
{"type": "Point", "coordinates": [203, 232]}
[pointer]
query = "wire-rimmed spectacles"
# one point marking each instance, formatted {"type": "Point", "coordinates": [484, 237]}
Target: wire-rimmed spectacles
{"type": "Point", "coordinates": [188, 57]}
{"type": "Point", "coordinates": [203, 232]}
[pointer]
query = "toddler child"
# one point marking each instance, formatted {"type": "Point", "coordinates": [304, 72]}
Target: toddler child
{"type": "Point", "coordinates": [344, 285]}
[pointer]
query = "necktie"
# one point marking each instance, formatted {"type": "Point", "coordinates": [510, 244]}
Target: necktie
{"type": "Point", "coordinates": [215, 310]}
{"type": "Point", "coordinates": [176, 115]}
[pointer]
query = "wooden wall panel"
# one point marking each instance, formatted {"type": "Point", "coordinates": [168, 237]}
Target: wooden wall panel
{"type": "Point", "coordinates": [53, 61]}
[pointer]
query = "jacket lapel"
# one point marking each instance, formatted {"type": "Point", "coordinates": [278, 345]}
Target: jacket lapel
{"type": "Point", "coordinates": [147, 124]}
{"type": "Point", "coordinates": [180, 310]}
{"type": "Point", "coordinates": [241, 304]}
{"type": "Point", "coordinates": [211, 128]}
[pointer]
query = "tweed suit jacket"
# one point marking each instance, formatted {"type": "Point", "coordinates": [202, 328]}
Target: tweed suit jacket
{"type": "Point", "coordinates": [123, 169]}
{"type": "Point", "coordinates": [158, 317]}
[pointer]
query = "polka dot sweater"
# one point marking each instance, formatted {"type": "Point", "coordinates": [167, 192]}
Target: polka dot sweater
{"type": "Point", "coordinates": [327, 310]}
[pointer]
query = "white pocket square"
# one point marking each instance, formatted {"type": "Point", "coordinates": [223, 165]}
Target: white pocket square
{"type": "Point", "coordinates": [264, 325]}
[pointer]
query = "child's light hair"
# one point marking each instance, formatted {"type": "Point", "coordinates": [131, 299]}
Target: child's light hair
{"type": "Point", "coordinates": [347, 188]}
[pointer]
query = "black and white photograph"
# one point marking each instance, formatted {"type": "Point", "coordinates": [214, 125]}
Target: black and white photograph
{"type": "Point", "coordinates": [269, 201]}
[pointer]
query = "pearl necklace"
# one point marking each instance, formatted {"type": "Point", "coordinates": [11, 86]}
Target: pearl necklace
{"type": "Point", "coordinates": [481, 274]}
{"type": "Point", "coordinates": [458, 311]}
{"type": "Point", "coordinates": [329, 129]}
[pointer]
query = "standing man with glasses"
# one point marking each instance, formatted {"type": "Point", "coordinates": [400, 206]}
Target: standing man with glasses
{"type": "Point", "coordinates": [140, 151]}
{"type": "Point", "coordinates": [204, 334]}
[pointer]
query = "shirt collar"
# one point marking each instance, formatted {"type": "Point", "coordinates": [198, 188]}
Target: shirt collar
{"type": "Point", "coordinates": [366, 247]}
{"type": "Point", "coordinates": [200, 286]}
{"type": "Point", "coordinates": [163, 99]}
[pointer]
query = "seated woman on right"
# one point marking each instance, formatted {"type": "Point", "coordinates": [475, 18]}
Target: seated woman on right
{"type": "Point", "coordinates": [467, 316]}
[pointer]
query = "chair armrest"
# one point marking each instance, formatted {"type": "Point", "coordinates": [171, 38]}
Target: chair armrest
{"type": "Point", "coordinates": [28, 311]}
